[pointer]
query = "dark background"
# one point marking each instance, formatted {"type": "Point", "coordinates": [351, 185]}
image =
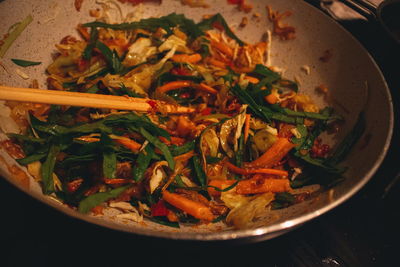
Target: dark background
{"type": "Point", "coordinates": [362, 232]}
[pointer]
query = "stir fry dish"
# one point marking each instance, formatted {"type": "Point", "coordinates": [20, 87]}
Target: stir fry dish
{"type": "Point", "coordinates": [248, 141]}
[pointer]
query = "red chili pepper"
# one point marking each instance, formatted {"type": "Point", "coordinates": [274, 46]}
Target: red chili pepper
{"type": "Point", "coordinates": [319, 150]}
{"type": "Point", "coordinates": [181, 71]}
{"type": "Point", "coordinates": [159, 209]}
{"type": "Point", "coordinates": [206, 111]}
{"type": "Point", "coordinates": [74, 185]}
{"type": "Point", "coordinates": [82, 64]}
{"type": "Point", "coordinates": [153, 104]}
{"type": "Point", "coordinates": [235, 2]}
{"type": "Point", "coordinates": [184, 95]}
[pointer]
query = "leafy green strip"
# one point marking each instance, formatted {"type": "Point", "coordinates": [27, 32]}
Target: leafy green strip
{"type": "Point", "coordinates": [209, 23]}
{"type": "Point", "coordinates": [159, 220]}
{"type": "Point", "coordinates": [143, 162]}
{"type": "Point", "coordinates": [226, 188]}
{"type": "Point", "coordinates": [96, 199]}
{"type": "Point", "coordinates": [31, 158]}
{"type": "Point", "coordinates": [152, 24]}
{"type": "Point", "coordinates": [47, 170]}
{"type": "Point", "coordinates": [87, 53]}
{"type": "Point", "coordinates": [160, 145]}
{"type": "Point", "coordinates": [179, 150]}
{"type": "Point", "coordinates": [14, 35]}
{"type": "Point", "coordinates": [111, 57]}
{"type": "Point", "coordinates": [109, 157]}
{"type": "Point", "coordinates": [198, 170]}
{"type": "Point", "coordinates": [25, 63]}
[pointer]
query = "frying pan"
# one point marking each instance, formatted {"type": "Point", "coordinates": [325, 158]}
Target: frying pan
{"type": "Point", "coordinates": [351, 75]}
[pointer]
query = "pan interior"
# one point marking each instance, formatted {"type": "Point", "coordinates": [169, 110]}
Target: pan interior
{"type": "Point", "coordinates": [351, 75]}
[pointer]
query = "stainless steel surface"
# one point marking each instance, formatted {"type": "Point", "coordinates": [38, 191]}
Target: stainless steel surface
{"type": "Point", "coordinates": [350, 74]}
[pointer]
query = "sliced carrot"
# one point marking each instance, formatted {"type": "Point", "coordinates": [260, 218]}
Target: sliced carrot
{"type": "Point", "coordinates": [129, 143]}
{"type": "Point", "coordinates": [186, 156]}
{"type": "Point", "coordinates": [117, 181]}
{"type": "Point", "coordinates": [185, 58]}
{"type": "Point", "coordinates": [246, 128]}
{"type": "Point", "coordinates": [216, 63]}
{"type": "Point", "coordinates": [251, 79]}
{"type": "Point", "coordinates": [173, 85]}
{"type": "Point", "coordinates": [206, 88]}
{"type": "Point", "coordinates": [238, 170]}
{"type": "Point", "coordinates": [261, 184]}
{"type": "Point", "coordinates": [273, 155]}
{"type": "Point", "coordinates": [194, 208]}
{"type": "Point", "coordinates": [172, 217]}
{"type": "Point", "coordinates": [83, 32]}
{"type": "Point", "coordinates": [174, 140]}
{"type": "Point", "coordinates": [223, 47]}
{"type": "Point", "coordinates": [271, 98]}
{"type": "Point", "coordinates": [218, 183]}
{"type": "Point", "coordinates": [241, 69]}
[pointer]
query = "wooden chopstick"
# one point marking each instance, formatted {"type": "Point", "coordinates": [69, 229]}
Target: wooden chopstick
{"type": "Point", "coordinates": [89, 100]}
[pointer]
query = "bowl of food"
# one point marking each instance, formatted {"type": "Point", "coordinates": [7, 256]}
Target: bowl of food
{"type": "Point", "coordinates": [193, 120]}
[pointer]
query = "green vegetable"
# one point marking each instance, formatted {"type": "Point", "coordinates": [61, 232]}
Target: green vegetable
{"type": "Point", "coordinates": [25, 63]}
{"type": "Point", "coordinates": [19, 28]}
{"type": "Point", "coordinates": [112, 58]}
{"type": "Point", "coordinates": [161, 220]}
{"type": "Point", "coordinates": [109, 157]}
{"type": "Point", "coordinates": [224, 189]}
{"type": "Point", "coordinates": [47, 170]}
{"type": "Point", "coordinates": [239, 153]}
{"type": "Point", "coordinates": [142, 162]}
{"type": "Point", "coordinates": [160, 145]}
{"type": "Point", "coordinates": [31, 158]}
{"type": "Point", "coordinates": [94, 35]}
{"type": "Point", "coordinates": [264, 140]}
{"type": "Point", "coordinates": [208, 24]}
{"type": "Point", "coordinates": [94, 200]}
{"type": "Point", "coordinates": [198, 171]}
{"type": "Point", "coordinates": [179, 150]}
{"type": "Point", "coordinates": [283, 200]}
{"type": "Point", "coordinates": [167, 23]}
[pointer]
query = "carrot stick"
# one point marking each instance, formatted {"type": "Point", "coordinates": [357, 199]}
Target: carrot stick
{"type": "Point", "coordinates": [217, 63]}
{"type": "Point", "coordinates": [194, 208]}
{"type": "Point", "coordinates": [251, 79]}
{"type": "Point", "coordinates": [224, 48]}
{"type": "Point", "coordinates": [273, 155]}
{"type": "Point", "coordinates": [174, 140]}
{"type": "Point", "coordinates": [83, 32]}
{"type": "Point", "coordinates": [185, 156]}
{"type": "Point", "coordinates": [173, 85]}
{"type": "Point", "coordinates": [221, 184]}
{"type": "Point", "coordinates": [246, 128]}
{"type": "Point", "coordinates": [118, 181]}
{"type": "Point", "coordinates": [129, 143]}
{"type": "Point", "coordinates": [185, 58]}
{"type": "Point", "coordinates": [204, 87]}
{"type": "Point", "coordinates": [260, 184]}
{"type": "Point", "coordinates": [238, 170]}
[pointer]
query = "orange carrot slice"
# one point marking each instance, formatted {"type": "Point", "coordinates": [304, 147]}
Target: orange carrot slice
{"type": "Point", "coordinates": [261, 184]}
{"type": "Point", "coordinates": [185, 58]}
{"type": "Point", "coordinates": [273, 155]}
{"type": "Point", "coordinates": [173, 85]}
{"type": "Point", "coordinates": [194, 208]}
{"type": "Point", "coordinates": [238, 170]}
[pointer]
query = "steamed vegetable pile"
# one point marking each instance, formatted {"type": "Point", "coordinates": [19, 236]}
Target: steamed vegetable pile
{"type": "Point", "coordinates": [252, 140]}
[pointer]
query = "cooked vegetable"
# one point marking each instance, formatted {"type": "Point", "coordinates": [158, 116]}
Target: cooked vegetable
{"type": "Point", "coordinates": [13, 35]}
{"type": "Point", "coordinates": [252, 139]}
{"type": "Point", "coordinates": [25, 63]}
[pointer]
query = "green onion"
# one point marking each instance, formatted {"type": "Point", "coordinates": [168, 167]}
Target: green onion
{"type": "Point", "coordinates": [25, 63]}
